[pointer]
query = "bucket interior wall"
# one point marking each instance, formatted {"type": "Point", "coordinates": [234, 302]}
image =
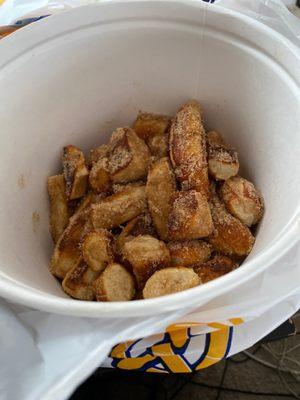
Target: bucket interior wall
{"type": "Point", "coordinates": [78, 88]}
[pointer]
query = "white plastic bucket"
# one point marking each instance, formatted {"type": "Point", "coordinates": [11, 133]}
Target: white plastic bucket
{"type": "Point", "coordinates": [74, 77]}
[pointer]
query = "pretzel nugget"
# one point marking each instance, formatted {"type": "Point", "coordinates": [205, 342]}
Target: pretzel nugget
{"type": "Point", "coordinates": [88, 199]}
{"type": "Point", "coordinates": [98, 249]}
{"type": "Point", "coordinates": [129, 156]}
{"type": "Point", "coordinates": [160, 187]}
{"type": "Point", "coordinates": [59, 210]}
{"type": "Point", "coordinates": [99, 175]}
{"type": "Point", "coordinates": [114, 284]}
{"type": "Point", "coordinates": [78, 282]}
{"type": "Point", "coordinates": [75, 172]}
{"type": "Point", "coordinates": [230, 235]}
{"type": "Point", "coordinates": [146, 254]}
{"type": "Point", "coordinates": [158, 146]}
{"type": "Point", "coordinates": [67, 252]}
{"type": "Point", "coordinates": [223, 161]}
{"type": "Point", "coordinates": [190, 216]}
{"type": "Point", "coordinates": [120, 187]}
{"type": "Point", "coordinates": [118, 208]}
{"type": "Point", "coordinates": [153, 129]}
{"type": "Point", "coordinates": [141, 225]}
{"type": "Point", "coordinates": [188, 148]}
{"type": "Point", "coordinates": [189, 252]}
{"type": "Point", "coordinates": [97, 153]}
{"type": "Point", "coordinates": [212, 269]}
{"type": "Point", "coordinates": [242, 200]}
{"type": "Point", "coordinates": [148, 125]}
{"type": "Point", "coordinates": [170, 280]}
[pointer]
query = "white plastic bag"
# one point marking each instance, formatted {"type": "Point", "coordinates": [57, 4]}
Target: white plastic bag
{"type": "Point", "coordinates": [12, 11]}
{"type": "Point", "coordinates": [61, 351]}
{"type": "Point", "coordinates": [47, 356]}
{"type": "Point", "coordinates": [273, 13]}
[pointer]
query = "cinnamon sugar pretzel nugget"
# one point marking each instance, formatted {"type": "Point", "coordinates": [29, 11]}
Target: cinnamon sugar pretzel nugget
{"type": "Point", "coordinates": [230, 236]}
{"type": "Point", "coordinates": [75, 172]}
{"type": "Point", "coordinates": [78, 282]}
{"type": "Point", "coordinates": [189, 252]}
{"type": "Point", "coordinates": [146, 254]}
{"type": "Point", "coordinates": [141, 225]}
{"type": "Point", "coordinates": [67, 252]}
{"type": "Point", "coordinates": [190, 216]}
{"type": "Point", "coordinates": [88, 199]}
{"type": "Point", "coordinates": [118, 208]}
{"type": "Point", "coordinates": [153, 128]}
{"type": "Point", "coordinates": [160, 188]}
{"type": "Point", "coordinates": [114, 284]}
{"type": "Point", "coordinates": [212, 269]}
{"type": "Point", "coordinates": [97, 153]}
{"type": "Point", "coordinates": [170, 280]}
{"type": "Point", "coordinates": [59, 209]}
{"type": "Point", "coordinates": [242, 200]}
{"type": "Point", "coordinates": [99, 174]}
{"type": "Point", "coordinates": [119, 187]}
{"type": "Point", "coordinates": [98, 249]}
{"type": "Point", "coordinates": [188, 148]}
{"type": "Point", "coordinates": [222, 160]}
{"type": "Point", "coordinates": [129, 156]}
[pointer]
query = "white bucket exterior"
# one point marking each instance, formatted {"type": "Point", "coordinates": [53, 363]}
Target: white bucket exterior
{"type": "Point", "coordinates": [74, 77]}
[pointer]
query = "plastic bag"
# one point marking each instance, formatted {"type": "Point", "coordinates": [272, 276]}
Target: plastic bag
{"type": "Point", "coordinates": [273, 13]}
{"type": "Point", "coordinates": [270, 12]}
{"type": "Point", "coordinates": [12, 11]}
{"type": "Point", "coordinates": [61, 351]}
{"type": "Point", "coordinates": [47, 356]}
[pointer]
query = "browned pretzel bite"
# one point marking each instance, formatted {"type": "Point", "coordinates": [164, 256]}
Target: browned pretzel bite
{"type": "Point", "coordinates": [99, 174]}
{"type": "Point", "coordinates": [230, 236]}
{"type": "Point", "coordinates": [88, 199]}
{"type": "Point", "coordinates": [75, 172]}
{"type": "Point", "coordinates": [190, 216]}
{"type": "Point", "coordinates": [153, 129]}
{"type": "Point", "coordinates": [129, 156]}
{"type": "Point", "coordinates": [114, 284]}
{"type": "Point", "coordinates": [188, 148]}
{"type": "Point", "coordinates": [160, 188]}
{"type": "Point", "coordinates": [141, 225]}
{"type": "Point", "coordinates": [242, 200]}
{"type": "Point", "coordinates": [78, 282]}
{"type": "Point", "coordinates": [67, 252]}
{"type": "Point", "coordinates": [170, 280]}
{"type": "Point", "coordinates": [98, 249]}
{"type": "Point", "coordinates": [148, 124]}
{"type": "Point", "coordinates": [97, 153]}
{"type": "Point", "coordinates": [214, 268]}
{"type": "Point", "coordinates": [189, 252]}
{"type": "Point", "coordinates": [118, 208]}
{"type": "Point", "coordinates": [222, 160]}
{"type": "Point", "coordinates": [59, 209]}
{"type": "Point", "coordinates": [120, 187]}
{"type": "Point", "coordinates": [146, 254]}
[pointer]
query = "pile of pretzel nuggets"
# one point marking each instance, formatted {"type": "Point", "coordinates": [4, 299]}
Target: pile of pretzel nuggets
{"type": "Point", "coordinates": [157, 210]}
